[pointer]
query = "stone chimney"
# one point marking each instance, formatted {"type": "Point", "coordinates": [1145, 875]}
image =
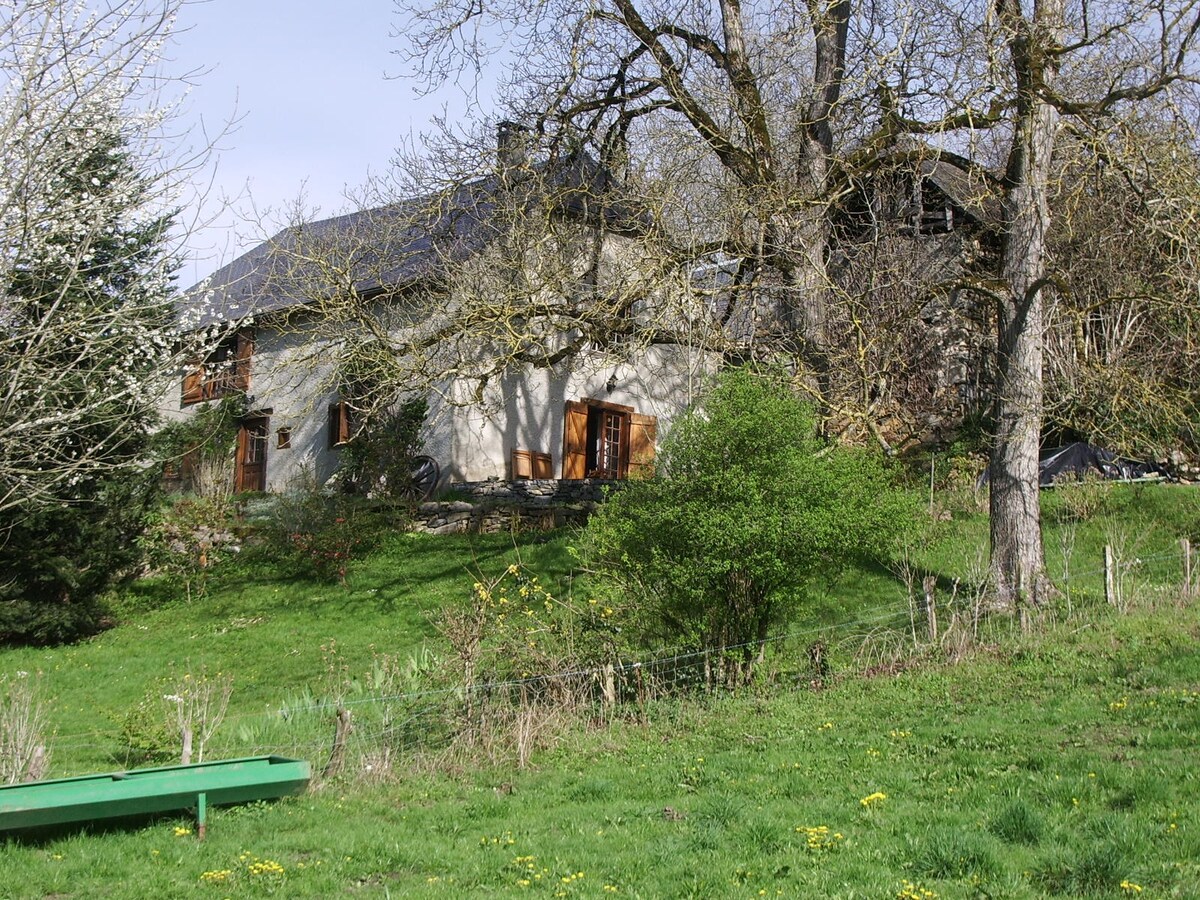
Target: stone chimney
{"type": "Point", "coordinates": [512, 146]}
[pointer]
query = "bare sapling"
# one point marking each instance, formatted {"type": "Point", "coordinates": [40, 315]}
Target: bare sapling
{"type": "Point", "coordinates": [199, 704]}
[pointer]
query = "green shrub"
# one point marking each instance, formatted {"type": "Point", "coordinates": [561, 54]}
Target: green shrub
{"type": "Point", "coordinates": [57, 560]}
{"type": "Point", "coordinates": [145, 735]}
{"type": "Point", "coordinates": [514, 628]}
{"type": "Point", "coordinates": [186, 538]}
{"type": "Point", "coordinates": [747, 508]}
{"type": "Point", "coordinates": [954, 475]}
{"type": "Point", "coordinates": [1080, 501]}
{"type": "Point", "coordinates": [320, 534]}
{"type": "Point", "coordinates": [378, 460]}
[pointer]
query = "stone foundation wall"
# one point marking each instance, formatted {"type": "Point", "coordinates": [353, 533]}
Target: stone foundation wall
{"type": "Point", "coordinates": [484, 507]}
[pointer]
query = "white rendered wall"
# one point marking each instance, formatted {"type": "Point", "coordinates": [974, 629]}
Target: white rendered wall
{"type": "Point", "coordinates": [525, 411]}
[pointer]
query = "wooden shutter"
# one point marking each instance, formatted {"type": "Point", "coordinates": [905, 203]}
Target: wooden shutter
{"type": "Point", "coordinates": [522, 464]}
{"type": "Point", "coordinates": [574, 458]}
{"type": "Point", "coordinates": [193, 384]}
{"type": "Point", "coordinates": [243, 356]}
{"type": "Point", "coordinates": [542, 465]}
{"type": "Point", "coordinates": [340, 428]}
{"type": "Point", "coordinates": [239, 461]}
{"type": "Point", "coordinates": [642, 433]}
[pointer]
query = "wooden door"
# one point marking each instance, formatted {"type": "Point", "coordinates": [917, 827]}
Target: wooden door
{"type": "Point", "coordinates": [251, 474]}
{"type": "Point", "coordinates": [610, 444]}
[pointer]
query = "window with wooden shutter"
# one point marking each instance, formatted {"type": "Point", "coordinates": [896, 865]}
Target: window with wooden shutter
{"type": "Point", "coordinates": [193, 384]}
{"type": "Point", "coordinates": [341, 425]}
{"type": "Point", "coordinates": [606, 440]}
{"type": "Point", "coordinates": [522, 465]}
{"type": "Point", "coordinates": [608, 443]}
{"type": "Point", "coordinates": [225, 371]}
{"type": "Point", "coordinates": [543, 465]}
{"type": "Point", "coordinates": [243, 358]}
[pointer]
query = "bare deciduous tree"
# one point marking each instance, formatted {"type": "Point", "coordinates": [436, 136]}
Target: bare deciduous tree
{"type": "Point", "coordinates": [680, 183]}
{"type": "Point", "coordinates": [727, 137]}
{"type": "Point", "coordinates": [946, 72]}
{"type": "Point", "coordinates": [725, 116]}
{"type": "Point", "coordinates": [1045, 66]}
{"type": "Point", "coordinates": [1121, 354]}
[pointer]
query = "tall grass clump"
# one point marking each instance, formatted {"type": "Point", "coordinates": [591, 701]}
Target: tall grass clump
{"type": "Point", "coordinates": [1016, 823]}
{"type": "Point", "coordinates": [524, 658]}
{"type": "Point", "coordinates": [953, 853]}
{"type": "Point", "coordinates": [24, 730]}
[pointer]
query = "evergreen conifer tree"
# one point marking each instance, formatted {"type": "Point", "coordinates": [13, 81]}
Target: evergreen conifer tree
{"type": "Point", "coordinates": [90, 308]}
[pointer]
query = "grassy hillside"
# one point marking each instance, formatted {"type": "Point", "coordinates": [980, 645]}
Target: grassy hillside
{"type": "Point", "coordinates": [1059, 763]}
{"type": "Point", "coordinates": [276, 636]}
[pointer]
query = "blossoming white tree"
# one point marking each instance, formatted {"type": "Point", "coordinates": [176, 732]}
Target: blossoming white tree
{"type": "Point", "coordinates": [87, 192]}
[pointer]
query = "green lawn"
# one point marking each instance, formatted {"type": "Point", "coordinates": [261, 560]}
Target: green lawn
{"type": "Point", "coordinates": [1059, 763]}
{"type": "Point", "coordinates": [273, 635]}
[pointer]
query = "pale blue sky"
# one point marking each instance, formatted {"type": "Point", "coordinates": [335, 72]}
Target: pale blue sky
{"type": "Point", "coordinates": [306, 80]}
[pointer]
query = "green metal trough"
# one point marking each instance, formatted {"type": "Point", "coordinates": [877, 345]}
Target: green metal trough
{"type": "Point", "coordinates": [145, 791]}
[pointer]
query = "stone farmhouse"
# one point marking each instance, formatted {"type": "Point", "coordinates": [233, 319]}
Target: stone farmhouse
{"type": "Point", "coordinates": [299, 312]}
{"type": "Point", "coordinates": [288, 337]}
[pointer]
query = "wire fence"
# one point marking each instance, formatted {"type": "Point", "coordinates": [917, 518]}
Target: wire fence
{"type": "Point", "coordinates": [413, 715]}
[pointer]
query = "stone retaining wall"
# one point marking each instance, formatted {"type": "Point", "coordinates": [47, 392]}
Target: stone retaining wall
{"type": "Point", "coordinates": [483, 507]}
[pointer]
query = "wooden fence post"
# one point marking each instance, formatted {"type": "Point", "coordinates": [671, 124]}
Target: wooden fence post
{"type": "Point", "coordinates": [641, 692]}
{"type": "Point", "coordinates": [608, 685]}
{"type": "Point", "coordinates": [337, 754]}
{"type": "Point", "coordinates": [1187, 566]}
{"type": "Point", "coordinates": [1110, 585]}
{"type": "Point", "coordinates": [932, 458]}
{"type": "Point", "coordinates": [929, 585]}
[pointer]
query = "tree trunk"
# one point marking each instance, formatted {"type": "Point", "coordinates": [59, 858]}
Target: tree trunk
{"type": "Point", "coordinates": [1017, 557]}
{"type": "Point", "coordinates": [830, 26]}
{"type": "Point", "coordinates": [807, 308]}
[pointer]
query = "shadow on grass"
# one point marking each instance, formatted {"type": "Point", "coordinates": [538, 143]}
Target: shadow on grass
{"type": "Point", "coordinates": [41, 835]}
{"type": "Point", "coordinates": [402, 570]}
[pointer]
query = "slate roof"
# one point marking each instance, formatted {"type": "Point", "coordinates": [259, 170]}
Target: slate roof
{"type": "Point", "coordinates": [388, 247]}
{"type": "Point", "coordinates": [967, 186]}
{"type": "Point", "coordinates": [973, 191]}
